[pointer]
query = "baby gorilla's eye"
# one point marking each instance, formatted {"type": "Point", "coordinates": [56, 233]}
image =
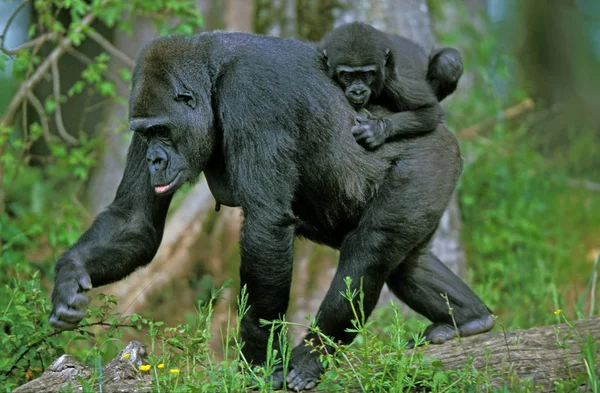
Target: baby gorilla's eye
{"type": "Point", "coordinates": [369, 76]}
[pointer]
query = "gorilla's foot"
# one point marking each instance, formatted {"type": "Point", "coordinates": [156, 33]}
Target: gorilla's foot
{"type": "Point", "coordinates": [481, 325]}
{"type": "Point", "coordinates": [306, 369]}
{"type": "Point", "coordinates": [277, 380]}
{"type": "Point", "coordinates": [440, 332]}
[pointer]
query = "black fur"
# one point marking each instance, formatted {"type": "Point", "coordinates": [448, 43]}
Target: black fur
{"type": "Point", "coordinates": [269, 129]}
{"type": "Point", "coordinates": [445, 67]}
{"type": "Point", "coordinates": [385, 69]}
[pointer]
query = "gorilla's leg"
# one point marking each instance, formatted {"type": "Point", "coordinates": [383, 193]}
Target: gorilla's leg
{"type": "Point", "coordinates": [421, 280]}
{"type": "Point", "coordinates": [444, 71]}
{"type": "Point", "coordinates": [388, 231]}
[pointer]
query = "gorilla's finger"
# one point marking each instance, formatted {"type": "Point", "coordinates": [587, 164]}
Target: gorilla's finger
{"type": "Point", "coordinates": [361, 132]}
{"type": "Point", "coordinates": [78, 300]}
{"type": "Point", "coordinates": [70, 315]}
{"type": "Point", "coordinates": [85, 282]}
{"type": "Point", "coordinates": [59, 324]}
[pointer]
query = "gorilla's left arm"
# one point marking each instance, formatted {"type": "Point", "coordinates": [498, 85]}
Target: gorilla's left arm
{"type": "Point", "coordinates": [122, 238]}
{"type": "Point", "coordinates": [417, 112]}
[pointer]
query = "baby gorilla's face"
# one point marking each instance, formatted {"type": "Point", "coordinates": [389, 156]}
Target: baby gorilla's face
{"type": "Point", "coordinates": [357, 83]}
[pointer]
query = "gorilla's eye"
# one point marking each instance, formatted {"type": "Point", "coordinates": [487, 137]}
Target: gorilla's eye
{"type": "Point", "coordinates": [159, 132]}
{"type": "Point", "coordinates": [187, 98]}
{"type": "Point", "coordinates": [369, 76]}
{"type": "Point", "coordinates": [345, 77]}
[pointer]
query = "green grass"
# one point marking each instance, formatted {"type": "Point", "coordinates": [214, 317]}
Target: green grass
{"type": "Point", "coordinates": [528, 234]}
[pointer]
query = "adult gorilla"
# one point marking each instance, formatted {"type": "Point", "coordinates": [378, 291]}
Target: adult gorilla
{"type": "Point", "coordinates": [271, 132]}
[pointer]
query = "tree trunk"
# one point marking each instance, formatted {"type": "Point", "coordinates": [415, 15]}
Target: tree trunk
{"type": "Point", "coordinates": [107, 175]}
{"type": "Point", "coordinates": [410, 18]}
{"type": "Point", "coordinates": [542, 355]}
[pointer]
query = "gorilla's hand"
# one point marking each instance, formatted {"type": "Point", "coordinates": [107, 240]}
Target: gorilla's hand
{"type": "Point", "coordinates": [369, 133]}
{"type": "Point", "coordinates": [68, 297]}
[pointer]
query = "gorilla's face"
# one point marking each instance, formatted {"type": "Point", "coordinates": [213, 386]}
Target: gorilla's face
{"type": "Point", "coordinates": [361, 79]}
{"type": "Point", "coordinates": [357, 83]}
{"type": "Point", "coordinates": [176, 123]}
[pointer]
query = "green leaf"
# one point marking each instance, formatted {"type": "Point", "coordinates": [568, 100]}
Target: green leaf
{"type": "Point", "coordinates": [77, 88]}
{"type": "Point", "coordinates": [437, 363]}
{"type": "Point", "coordinates": [3, 59]}
{"type": "Point", "coordinates": [49, 105]}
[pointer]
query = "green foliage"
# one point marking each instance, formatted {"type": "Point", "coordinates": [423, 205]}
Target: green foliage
{"type": "Point", "coordinates": [526, 232]}
{"type": "Point", "coordinates": [42, 214]}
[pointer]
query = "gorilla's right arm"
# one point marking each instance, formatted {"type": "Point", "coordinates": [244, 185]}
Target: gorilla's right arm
{"type": "Point", "coordinates": [122, 238]}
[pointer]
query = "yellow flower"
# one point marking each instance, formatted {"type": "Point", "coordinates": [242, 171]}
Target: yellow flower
{"type": "Point", "coordinates": [557, 312]}
{"type": "Point", "coordinates": [174, 371]}
{"type": "Point", "coordinates": [161, 365]}
{"type": "Point", "coordinates": [126, 355]}
{"type": "Point", "coordinates": [145, 367]}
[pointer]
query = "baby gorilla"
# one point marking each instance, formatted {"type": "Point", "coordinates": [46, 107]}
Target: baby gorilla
{"type": "Point", "coordinates": [391, 71]}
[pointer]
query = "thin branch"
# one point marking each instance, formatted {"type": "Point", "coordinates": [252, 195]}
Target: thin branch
{"type": "Point", "coordinates": [39, 108]}
{"type": "Point", "coordinates": [29, 44]}
{"type": "Point", "coordinates": [24, 125]}
{"type": "Point", "coordinates": [586, 184]}
{"type": "Point", "coordinates": [508, 114]}
{"type": "Point", "coordinates": [86, 60]}
{"type": "Point", "coordinates": [26, 145]}
{"type": "Point", "coordinates": [80, 56]}
{"type": "Point", "coordinates": [44, 67]}
{"type": "Point", "coordinates": [57, 111]}
{"type": "Point", "coordinates": [80, 329]}
{"type": "Point", "coordinates": [110, 48]}
{"type": "Point", "coordinates": [10, 20]}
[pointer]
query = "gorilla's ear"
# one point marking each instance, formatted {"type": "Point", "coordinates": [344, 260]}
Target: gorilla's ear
{"type": "Point", "coordinates": [186, 97]}
{"type": "Point", "coordinates": [325, 58]}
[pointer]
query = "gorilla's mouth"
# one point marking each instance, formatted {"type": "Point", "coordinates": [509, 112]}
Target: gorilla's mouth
{"type": "Point", "coordinates": [170, 187]}
{"type": "Point", "coordinates": [358, 102]}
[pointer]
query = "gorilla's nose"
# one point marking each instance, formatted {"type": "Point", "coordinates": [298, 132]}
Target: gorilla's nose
{"type": "Point", "coordinates": [358, 92]}
{"type": "Point", "coordinates": [157, 159]}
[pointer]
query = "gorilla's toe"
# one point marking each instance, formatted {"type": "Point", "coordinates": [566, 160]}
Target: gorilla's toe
{"type": "Point", "coordinates": [302, 379]}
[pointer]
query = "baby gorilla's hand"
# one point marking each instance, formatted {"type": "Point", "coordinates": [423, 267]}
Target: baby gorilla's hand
{"type": "Point", "coordinates": [370, 133]}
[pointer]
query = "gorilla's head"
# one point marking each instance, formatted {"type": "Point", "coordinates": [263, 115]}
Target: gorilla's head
{"type": "Point", "coordinates": [170, 109]}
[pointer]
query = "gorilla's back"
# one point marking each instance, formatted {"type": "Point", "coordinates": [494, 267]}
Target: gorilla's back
{"type": "Point", "coordinates": [282, 83]}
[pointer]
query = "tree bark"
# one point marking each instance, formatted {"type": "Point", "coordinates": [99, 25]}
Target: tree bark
{"type": "Point", "coordinates": [411, 19]}
{"type": "Point", "coordinates": [542, 355]}
{"type": "Point", "coordinates": [107, 175]}
{"type": "Point", "coordinates": [118, 376]}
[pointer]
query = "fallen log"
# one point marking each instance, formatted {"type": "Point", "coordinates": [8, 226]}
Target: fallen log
{"type": "Point", "coordinates": [120, 375]}
{"type": "Point", "coordinates": [543, 355]}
